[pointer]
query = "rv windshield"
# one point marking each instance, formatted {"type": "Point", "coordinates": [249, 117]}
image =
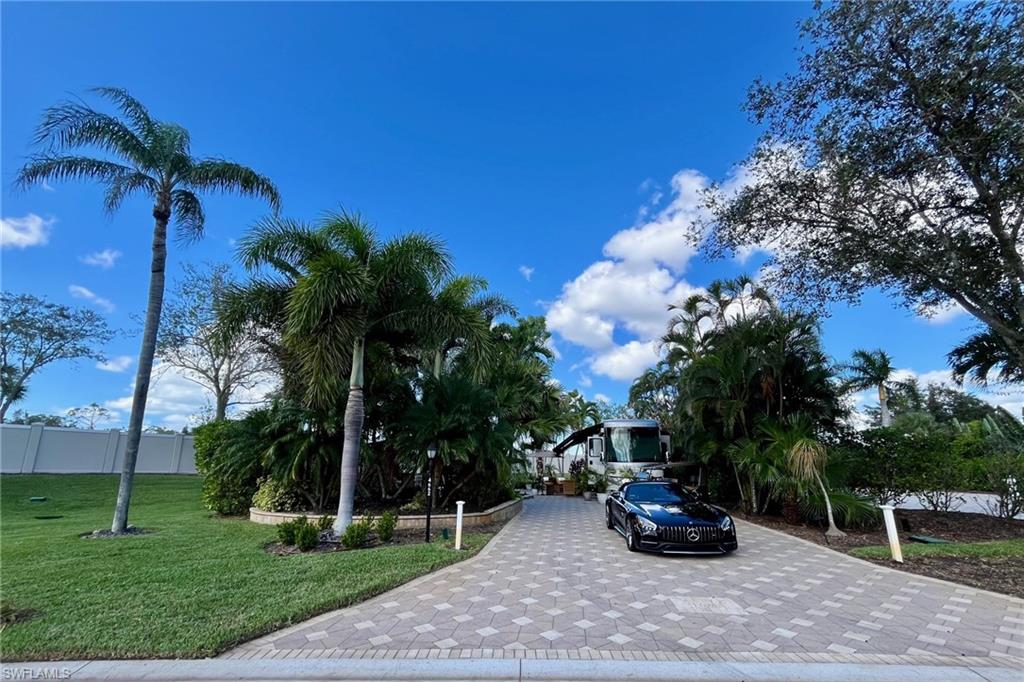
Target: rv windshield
{"type": "Point", "coordinates": [633, 444]}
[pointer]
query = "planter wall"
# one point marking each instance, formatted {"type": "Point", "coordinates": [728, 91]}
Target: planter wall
{"type": "Point", "coordinates": [497, 514]}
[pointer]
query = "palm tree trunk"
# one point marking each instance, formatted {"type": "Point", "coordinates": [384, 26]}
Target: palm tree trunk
{"type": "Point", "coordinates": [353, 437]}
{"type": "Point", "coordinates": [832, 531]}
{"type": "Point", "coordinates": [883, 404]}
{"type": "Point", "coordinates": [161, 213]}
{"type": "Point", "coordinates": [438, 362]}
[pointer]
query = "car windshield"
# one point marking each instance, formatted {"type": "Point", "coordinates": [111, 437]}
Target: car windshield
{"type": "Point", "coordinates": [657, 493]}
{"type": "Point", "coordinates": [634, 444]}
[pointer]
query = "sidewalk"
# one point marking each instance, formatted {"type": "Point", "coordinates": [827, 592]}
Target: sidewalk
{"type": "Point", "coordinates": [499, 670]}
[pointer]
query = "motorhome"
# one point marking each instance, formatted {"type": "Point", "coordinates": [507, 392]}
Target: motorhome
{"type": "Point", "coordinates": [618, 448]}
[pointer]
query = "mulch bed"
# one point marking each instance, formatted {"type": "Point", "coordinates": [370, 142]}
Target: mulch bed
{"type": "Point", "coordinates": [412, 536]}
{"type": "Point", "coordinates": [1005, 575]}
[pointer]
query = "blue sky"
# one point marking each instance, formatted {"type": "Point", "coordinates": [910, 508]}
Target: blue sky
{"type": "Point", "coordinates": [554, 147]}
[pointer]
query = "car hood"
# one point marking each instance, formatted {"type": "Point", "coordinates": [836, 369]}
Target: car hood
{"type": "Point", "coordinates": [681, 514]}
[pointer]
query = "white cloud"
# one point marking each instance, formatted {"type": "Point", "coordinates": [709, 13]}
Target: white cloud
{"type": "Point", "coordinates": [174, 400]}
{"type": "Point", "coordinates": [941, 314]}
{"type": "Point", "coordinates": [626, 362]}
{"type": "Point", "coordinates": [602, 398]}
{"type": "Point", "coordinates": [585, 381]}
{"type": "Point", "coordinates": [103, 259]}
{"type": "Point", "coordinates": [550, 345]}
{"type": "Point", "coordinates": [617, 307]}
{"type": "Point", "coordinates": [79, 291]}
{"type": "Point", "coordinates": [526, 271]}
{"type": "Point", "coordinates": [29, 230]}
{"type": "Point", "coordinates": [117, 364]}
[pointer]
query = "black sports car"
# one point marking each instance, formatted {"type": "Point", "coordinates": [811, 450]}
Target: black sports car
{"type": "Point", "coordinates": [662, 516]}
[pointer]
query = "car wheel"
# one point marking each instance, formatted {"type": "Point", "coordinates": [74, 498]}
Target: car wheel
{"type": "Point", "coordinates": [631, 541]}
{"type": "Point", "coordinates": [608, 516]}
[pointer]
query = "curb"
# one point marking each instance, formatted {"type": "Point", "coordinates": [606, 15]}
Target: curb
{"type": "Point", "coordinates": [498, 671]}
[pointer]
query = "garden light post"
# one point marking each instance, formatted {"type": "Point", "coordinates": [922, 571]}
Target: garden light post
{"type": "Point", "coordinates": [431, 454]}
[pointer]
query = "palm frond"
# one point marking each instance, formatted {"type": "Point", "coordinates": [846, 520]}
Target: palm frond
{"type": "Point", "coordinates": [75, 124]}
{"type": "Point", "coordinates": [132, 109]}
{"type": "Point", "coordinates": [413, 255]}
{"type": "Point", "coordinates": [124, 186]}
{"type": "Point", "coordinates": [276, 241]}
{"type": "Point", "coordinates": [188, 214]}
{"type": "Point", "coordinates": [226, 176]}
{"type": "Point", "coordinates": [51, 167]}
{"type": "Point", "coordinates": [351, 232]}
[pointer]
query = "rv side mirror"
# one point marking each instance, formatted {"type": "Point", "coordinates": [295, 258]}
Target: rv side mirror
{"type": "Point", "coordinates": [595, 444]}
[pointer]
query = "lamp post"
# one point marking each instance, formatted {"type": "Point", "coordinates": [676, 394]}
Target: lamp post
{"type": "Point", "coordinates": [431, 454]}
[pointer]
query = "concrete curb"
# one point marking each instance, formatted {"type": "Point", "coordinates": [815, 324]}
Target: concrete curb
{"type": "Point", "coordinates": [497, 670]}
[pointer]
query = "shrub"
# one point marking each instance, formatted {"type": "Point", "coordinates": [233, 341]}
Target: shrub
{"type": "Point", "coordinates": [276, 496]}
{"type": "Point", "coordinates": [850, 510]}
{"type": "Point", "coordinates": [386, 525]}
{"type": "Point", "coordinates": [938, 479]}
{"type": "Point", "coordinates": [287, 530]}
{"type": "Point", "coordinates": [307, 535]}
{"type": "Point", "coordinates": [1005, 474]}
{"type": "Point", "coordinates": [357, 534]}
{"type": "Point", "coordinates": [324, 523]}
{"type": "Point", "coordinates": [226, 490]}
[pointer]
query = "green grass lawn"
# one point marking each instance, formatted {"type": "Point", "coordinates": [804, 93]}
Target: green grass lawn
{"type": "Point", "coordinates": [195, 587]}
{"type": "Point", "coordinates": [987, 550]}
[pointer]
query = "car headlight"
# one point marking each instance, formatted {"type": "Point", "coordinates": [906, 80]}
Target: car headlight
{"type": "Point", "coordinates": [647, 527]}
{"type": "Point", "coordinates": [726, 524]}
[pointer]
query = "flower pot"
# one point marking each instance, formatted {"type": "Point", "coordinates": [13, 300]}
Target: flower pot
{"type": "Point", "coordinates": [602, 497]}
{"type": "Point", "coordinates": [588, 495]}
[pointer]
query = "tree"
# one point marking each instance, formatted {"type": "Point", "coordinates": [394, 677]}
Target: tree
{"type": "Point", "coordinates": [223, 360]}
{"type": "Point", "coordinates": [22, 417]}
{"type": "Point", "coordinates": [871, 369]}
{"type": "Point", "coordinates": [35, 333]}
{"type": "Point", "coordinates": [894, 158]}
{"type": "Point", "coordinates": [141, 156]}
{"type": "Point", "coordinates": [88, 416]}
{"type": "Point", "coordinates": [343, 288]}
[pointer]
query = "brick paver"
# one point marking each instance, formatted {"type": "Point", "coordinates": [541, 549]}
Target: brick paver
{"type": "Point", "coordinates": [557, 583]}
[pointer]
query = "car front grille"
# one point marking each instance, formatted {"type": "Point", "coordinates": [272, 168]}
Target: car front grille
{"type": "Point", "coordinates": [681, 534]}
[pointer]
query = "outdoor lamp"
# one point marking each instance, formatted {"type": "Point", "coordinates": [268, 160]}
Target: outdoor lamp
{"type": "Point", "coordinates": [431, 454]}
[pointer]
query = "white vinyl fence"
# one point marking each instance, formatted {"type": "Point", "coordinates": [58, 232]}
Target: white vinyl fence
{"type": "Point", "coordinates": [55, 450]}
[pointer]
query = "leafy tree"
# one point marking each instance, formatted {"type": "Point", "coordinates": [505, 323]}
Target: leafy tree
{"type": "Point", "coordinates": [894, 158]}
{"type": "Point", "coordinates": [654, 394]}
{"type": "Point", "coordinates": [24, 418]}
{"type": "Point", "coordinates": [223, 360]}
{"type": "Point", "coordinates": [88, 416]}
{"type": "Point", "coordinates": [341, 288]}
{"type": "Point", "coordinates": [141, 155]}
{"type": "Point", "coordinates": [871, 369]}
{"type": "Point", "coordinates": [580, 411]}
{"type": "Point", "coordinates": [35, 333]}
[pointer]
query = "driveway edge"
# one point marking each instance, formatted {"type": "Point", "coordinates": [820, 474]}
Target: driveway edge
{"type": "Point", "coordinates": [503, 670]}
{"type": "Point", "coordinates": [1008, 597]}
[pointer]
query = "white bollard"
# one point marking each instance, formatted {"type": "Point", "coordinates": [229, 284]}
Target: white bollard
{"type": "Point", "coordinates": [458, 524]}
{"type": "Point", "coordinates": [890, 530]}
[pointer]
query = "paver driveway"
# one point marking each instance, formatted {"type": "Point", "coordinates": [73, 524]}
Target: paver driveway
{"type": "Point", "coordinates": [556, 580]}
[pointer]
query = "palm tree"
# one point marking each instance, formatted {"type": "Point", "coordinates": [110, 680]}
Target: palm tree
{"type": "Point", "coordinates": [141, 156]}
{"type": "Point", "coordinates": [871, 369]}
{"type": "Point", "coordinates": [342, 288]}
{"type": "Point", "coordinates": [804, 457]}
{"type": "Point", "coordinates": [465, 312]}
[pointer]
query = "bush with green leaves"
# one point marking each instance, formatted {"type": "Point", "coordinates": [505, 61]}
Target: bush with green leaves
{"type": "Point", "coordinates": [324, 523]}
{"type": "Point", "coordinates": [276, 496]}
{"type": "Point", "coordinates": [307, 536]}
{"type": "Point", "coordinates": [386, 525]}
{"type": "Point", "coordinates": [357, 534]}
{"type": "Point", "coordinates": [287, 530]}
{"type": "Point", "coordinates": [1005, 480]}
{"type": "Point", "coordinates": [226, 490]}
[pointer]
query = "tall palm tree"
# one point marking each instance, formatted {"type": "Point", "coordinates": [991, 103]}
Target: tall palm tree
{"type": "Point", "coordinates": [341, 287]}
{"type": "Point", "coordinates": [466, 312]}
{"type": "Point", "coordinates": [140, 155]}
{"type": "Point", "coordinates": [871, 369]}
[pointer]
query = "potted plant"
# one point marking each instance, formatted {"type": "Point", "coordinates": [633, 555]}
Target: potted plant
{"type": "Point", "coordinates": [599, 484]}
{"type": "Point", "coordinates": [585, 482]}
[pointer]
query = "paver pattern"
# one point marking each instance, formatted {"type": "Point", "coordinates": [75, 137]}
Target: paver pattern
{"type": "Point", "coordinates": [556, 579]}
